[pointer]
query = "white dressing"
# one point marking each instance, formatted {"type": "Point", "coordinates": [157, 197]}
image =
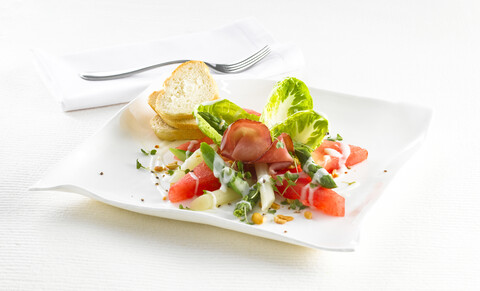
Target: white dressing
{"type": "Point", "coordinates": [345, 154]}
{"type": "Point", "coordinates": [194, 177]}
{"type": "Point", "coordinates": [307, 194]}
{"type": "Point", "coordinates": [319, 174]}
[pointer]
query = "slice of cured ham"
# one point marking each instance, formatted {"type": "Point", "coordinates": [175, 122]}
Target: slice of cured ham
{"type": "Point", "coordinates": [245, 140]}
{"type": "Point", "coordinates": [250, 141]}
{"type": "Point", "coordinates": [278, 151]}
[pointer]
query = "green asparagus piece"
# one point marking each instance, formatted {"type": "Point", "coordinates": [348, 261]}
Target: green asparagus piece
{"type": "Point", "coordinates": [304, 155]}
{"type": "Point", "coordinates": [180, 154]}
{"type": "Point", "coordinates": [225, 174]}
{"type": "Point", "coordinates": [218, 124]}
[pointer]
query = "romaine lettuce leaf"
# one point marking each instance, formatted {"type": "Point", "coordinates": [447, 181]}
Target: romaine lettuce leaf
{"type": "Point", "coordinates": [306, 127]}
{"type": "Point", "coordinates": [288, 96]}
{"type": "Point", "coordinates": [215, 116]}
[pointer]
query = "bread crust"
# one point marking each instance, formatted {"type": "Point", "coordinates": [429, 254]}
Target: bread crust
{"type": "Point", "coordinates": [166, 132]}
{"type": "Point", "coordinates": [187, 123]}
{"type": "Point", "coordinates": [152, 99]}
{"type": "Point", "coordinates": [181, 125]}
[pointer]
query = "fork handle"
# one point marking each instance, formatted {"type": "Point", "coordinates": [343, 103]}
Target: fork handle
{"type": "Point", "coordinates": [111, 75]}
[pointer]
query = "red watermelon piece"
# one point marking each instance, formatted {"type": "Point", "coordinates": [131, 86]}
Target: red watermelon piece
{"type": "Point", "coordinates": [323, 155]}
{"type": "Point", "coordinates": [193, 184]}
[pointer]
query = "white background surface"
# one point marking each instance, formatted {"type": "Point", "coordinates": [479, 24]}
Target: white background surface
{"type": "Point", "coordinates": [423, 233]}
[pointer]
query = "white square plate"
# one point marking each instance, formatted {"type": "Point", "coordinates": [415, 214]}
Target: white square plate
{"type": "Point", "coordinates": [390, 132]}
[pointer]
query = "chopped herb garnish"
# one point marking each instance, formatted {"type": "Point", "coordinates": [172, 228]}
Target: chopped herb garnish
{"type": "Point", "coordinates": [183, 207]}
{"type": "Point", "coordinates": [139, 165]}
{"type": "Point", "coordinates": [313, 185]}
{"type": "Point", "coordinates": [297, 204]}
{"type": "Point", "coordinates": [284, 202]}
{"type": "Point", "coordinates": [288, 177]}
{"type": "Point", "coordinates": [187, 171]}
{"type": "Point", "coordinates": [280, 144]}
{"type": "Point", "coordinates": [248, 175]}
{"type": "Point", "coordinates": [170, 172]}
{"type": "Point", "coordinates": [351, 183]}
{"type": "Point", "coordinates": [338, 138]}
{"type": "Point", "coordinates": [274, 186]}
{"type": "Point", "coordinates": [152, 152]}
{"type": "Point", "coordinates": [272, 211]}
{"type": "Point", "coordinates": [240, 166]}
{"type": "Point", "coordinates": [291, 176]}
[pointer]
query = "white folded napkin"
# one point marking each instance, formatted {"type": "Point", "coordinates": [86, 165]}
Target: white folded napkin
{"type": "Point", "coordinates": [226, 44]}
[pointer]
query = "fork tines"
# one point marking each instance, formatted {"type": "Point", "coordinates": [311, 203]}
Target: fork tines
{"type": "Point", "coordinates": [248, 62]}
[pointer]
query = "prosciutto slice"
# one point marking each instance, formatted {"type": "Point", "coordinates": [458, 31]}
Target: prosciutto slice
{"type": "Point", "coordinates": [278, 151]}
{"type": "Point", "coordinates": [250, 141]}
{"type": "Point", "coordinates": [245, 140]}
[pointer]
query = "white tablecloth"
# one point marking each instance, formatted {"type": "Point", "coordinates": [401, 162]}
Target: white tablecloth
{"type": "Point", "coordinates": [423, 233]}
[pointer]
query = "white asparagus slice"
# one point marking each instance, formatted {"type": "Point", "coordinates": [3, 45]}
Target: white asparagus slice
{"type": "Point", "coordinates": [211, 199]}
{"type": "Point", "coordinates": [190, 163]}
{"type": "Point", "coordinates": [267, 196]}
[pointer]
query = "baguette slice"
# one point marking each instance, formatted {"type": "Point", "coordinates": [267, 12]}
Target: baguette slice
{"type": "Point", "coordinates": [189, 85]}
{"type": "Point", "coordinates": [188, 123]}
{"type": "Point", "coordinates": [152, 99]}
{"type": "Point", "coordinates": [166, 132]}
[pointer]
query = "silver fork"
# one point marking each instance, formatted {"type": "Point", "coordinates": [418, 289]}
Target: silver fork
{"type": "Point", "coordinates": [223, 68]}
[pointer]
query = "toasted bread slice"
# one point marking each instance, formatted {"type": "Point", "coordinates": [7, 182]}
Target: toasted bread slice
{"type": "Point", "coordinates": [188, 123]}
{"type": "Point", "coordinates": [166, 132]}
{"type": "Point", "coordinates": [152, 99]}
{"type": "Point", "coordinates": [189, 85]}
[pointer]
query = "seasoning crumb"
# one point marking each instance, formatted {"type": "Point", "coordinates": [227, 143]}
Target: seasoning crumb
{"type": "Point", "coordinates": [308, 214]}
{"type": "Point", "coordinates": [284, 231]}
{"type": "Point", "coordinates": [142, 199]}
{"type": "Point", "coordinates": [257, 218]}
{"type": "Point", "coordinates": [285, 217]}
{"type": "Point", "coordinates": [164, 197]}
{"type": "Point", "coordinates": [385, 171]}
{"type": "Point", "coordinates": [156, 184]}
{"type": "Point", "coordinates": [101, 173]}
{"type": "Point", "coordinates": [279, 220]}
{"type": "Point", "coordinates": [157, 146]}
{"type": "Point", "coordinates": [159, 168]}
{"type": "Point", "coordinates": [334, 174]}
{"type": "Point", "coordinates": [172, 166]}
{"type": "Point", "coordinates": [229, 203]}
{"type": "Point", "coordinates": [275, 206]}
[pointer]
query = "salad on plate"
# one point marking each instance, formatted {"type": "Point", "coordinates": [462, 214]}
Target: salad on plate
{"type": "Point", "coordinates": [251, 160]}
